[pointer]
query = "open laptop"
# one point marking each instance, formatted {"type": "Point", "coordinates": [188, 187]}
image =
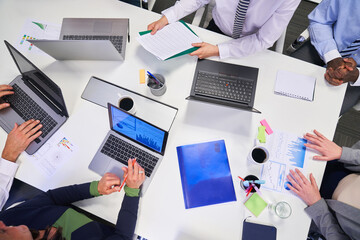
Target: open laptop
{"type": "Point", "coordinates": [130, 137]}
{"type": "Point", "coordinates": [88, 39]}
{"type": "Point", "coordinates": [35, 97]}
{"type": "Point", "coordinates": [224, 83]}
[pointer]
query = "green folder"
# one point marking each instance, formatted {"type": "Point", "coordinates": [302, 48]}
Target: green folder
{"type": "Point", "coordinates": [190, 50]}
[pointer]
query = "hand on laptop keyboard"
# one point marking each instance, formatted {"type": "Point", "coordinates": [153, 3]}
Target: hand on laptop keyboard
{"type": "Point", "coordinates": [135, 174]}
{"type": "Point", "coordinates": [4, 91]}
{"type": "Point", "coordinates": [19, 139]}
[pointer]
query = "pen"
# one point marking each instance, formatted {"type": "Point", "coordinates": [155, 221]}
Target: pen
{"type": "Point", "coordinates": [256, 188]}
{"type": "Point", "coordinates": [121, 186]}
{"type": "Point", "coordinates": [241, 178]}
{"type": "Point", "coordinates": [247, 182]}
{"type": "Point", "coordinates": [153, 77]}
{"type": "Point", "coordinates": [250, 188]}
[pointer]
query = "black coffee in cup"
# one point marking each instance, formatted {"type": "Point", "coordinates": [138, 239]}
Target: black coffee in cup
{"type": "Point", "coordinates": [259, 155]}
{"type": "Point", "coordinates": [126, 103]}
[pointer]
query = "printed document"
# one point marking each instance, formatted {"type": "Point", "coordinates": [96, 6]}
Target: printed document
{"type": "Point", "coordinates": [173, 39]}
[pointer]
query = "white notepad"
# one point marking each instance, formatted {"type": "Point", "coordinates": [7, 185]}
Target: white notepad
{"type": "Point", "coordinates": [295, 85]}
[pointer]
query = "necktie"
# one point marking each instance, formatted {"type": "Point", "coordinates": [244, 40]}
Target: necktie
{"type": "Point", "coordinates": [347, 52]}
{"type": "Point", "coordinates": [240, 17]}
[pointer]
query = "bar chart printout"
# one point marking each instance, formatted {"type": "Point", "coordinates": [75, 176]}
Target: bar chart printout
{"type": "Point", "coordinates": [287, 152]}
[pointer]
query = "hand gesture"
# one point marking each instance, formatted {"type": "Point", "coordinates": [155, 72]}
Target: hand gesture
{"type": "Point", "coordinates": [159, 24]}
{"type": "Point", "coordinates": [205, 50]}
{"type": "Point", "coordinates": [340, 71]}
{"type": "Point", "coordinates": [5, 90]}
{"type": "Point", "coordinates": [19, 139]}
{"type": "Point", "coordinates": [328, 149]}
{"type": "Point", "coordinates": [135, 174]}
{"type": "Point", "coordinates": [307, 191]}
{"type": "Point", "coordinates": [109, 183]}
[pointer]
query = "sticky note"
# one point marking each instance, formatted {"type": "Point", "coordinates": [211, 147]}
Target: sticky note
{"type": "Point", "coordinates": [261, 134]}
{"type": "Point", "coordinates": [255, 204]}
{"type": "Point", "coordinates": [142, 76]}
{"type": "Point", "coordinates": [268, 128]}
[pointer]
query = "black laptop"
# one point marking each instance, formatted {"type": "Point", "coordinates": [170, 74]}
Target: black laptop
{"type": "Point", "coordinates": [35, 97]}
{"type": "Point", "coordinates": [225, 84]}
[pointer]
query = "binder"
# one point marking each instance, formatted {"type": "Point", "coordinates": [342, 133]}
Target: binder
{"type": "Point", "coordinates": [205, 174]}
{"type": "Point", "coordinates": [187, 51]}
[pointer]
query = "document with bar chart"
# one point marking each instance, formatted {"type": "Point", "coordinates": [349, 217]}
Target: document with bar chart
{"type": "Point", "coordinates": [287, 151]}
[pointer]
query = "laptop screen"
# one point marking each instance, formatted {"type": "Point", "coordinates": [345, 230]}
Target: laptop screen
{"type": "Point", "coordinates": [38, 79]}
{"type": "Point", "coordinates": [138, 130]}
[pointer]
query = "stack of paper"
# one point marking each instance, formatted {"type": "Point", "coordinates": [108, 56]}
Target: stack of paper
{"type": "Point", "coordinates": [173, 40]}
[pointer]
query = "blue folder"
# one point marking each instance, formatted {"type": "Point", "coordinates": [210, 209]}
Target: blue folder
{"type": "Point", "coordinates": [205, 174]}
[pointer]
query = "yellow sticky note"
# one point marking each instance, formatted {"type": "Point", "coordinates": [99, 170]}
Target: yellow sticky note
{"type": "Point", "coordinates": [261, 134]}
{"type": "Point", "coordinates": [255, 204]}
{"type": "Point", "coordinates": [142, 76]}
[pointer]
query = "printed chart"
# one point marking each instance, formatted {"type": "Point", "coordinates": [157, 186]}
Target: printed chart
{"type": "Point", "coordinates": [34, 29]}
{"type": "Point", "coordinates": [287, 151]}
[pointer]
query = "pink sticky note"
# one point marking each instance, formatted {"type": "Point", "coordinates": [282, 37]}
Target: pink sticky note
{"type": "Point", "coordinates": [268, 128]}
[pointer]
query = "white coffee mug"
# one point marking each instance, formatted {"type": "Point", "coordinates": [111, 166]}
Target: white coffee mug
{"type": "Point", "coordinates": [259, 155]}
{"type": "Point", "coordinates": [127, 104]}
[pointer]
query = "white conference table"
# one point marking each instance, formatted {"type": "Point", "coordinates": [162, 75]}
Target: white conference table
{"type": "Point", "coordinates": [162, 214]}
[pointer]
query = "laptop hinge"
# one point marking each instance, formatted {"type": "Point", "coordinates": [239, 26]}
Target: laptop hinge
{"type": "Point", "coordinates": [39, 93]}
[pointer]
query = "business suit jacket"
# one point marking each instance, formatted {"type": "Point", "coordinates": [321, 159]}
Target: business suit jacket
{"type": "Point", "coordinates": [337, 220]}
{"type": "Point", "coordinates": [46, 208]}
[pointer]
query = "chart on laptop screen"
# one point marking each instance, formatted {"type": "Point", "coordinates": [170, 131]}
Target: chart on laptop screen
{"type": "Point", "coordinates": [137, 129]}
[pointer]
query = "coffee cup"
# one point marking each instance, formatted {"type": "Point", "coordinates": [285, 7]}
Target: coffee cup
{"type": "Point", "coordinates": [259, 155]}
{"type": "Point", "coordinates": [127, 104]}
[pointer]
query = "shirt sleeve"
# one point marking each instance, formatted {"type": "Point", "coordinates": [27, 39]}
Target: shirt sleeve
{"type": "Point", "coordinates": [7, 174]}
{"type": "Point", "coordinates": [264, 38]}
{"type": "Point", "coordinates": [325, 221]}
{"type": "Point", "coordinates": [183, 8]}
{"type": "Point", "coordinates": [320, 28]}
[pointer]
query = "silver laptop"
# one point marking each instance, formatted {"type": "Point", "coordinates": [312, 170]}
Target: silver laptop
{"type": "Point", "coordinates": [88, 39]}
{"type": "Point", "coordinates": [35, 97]}
{"type": "Point", "coordinates": [130, 137]}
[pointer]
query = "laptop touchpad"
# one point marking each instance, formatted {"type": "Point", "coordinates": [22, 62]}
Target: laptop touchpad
{"type": "Point", "coordinates": [102, 27]}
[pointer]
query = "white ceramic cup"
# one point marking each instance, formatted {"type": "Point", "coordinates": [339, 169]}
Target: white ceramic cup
{"type": "Point", "coordinates": [127, 104]}
{"type": "Point", "coordinates": [259, 155]}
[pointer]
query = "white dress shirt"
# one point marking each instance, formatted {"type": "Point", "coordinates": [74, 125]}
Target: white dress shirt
{"type": "Point", "coordinates": [7, 174]}
{"type": "Point", "coordinates": [265, 21]}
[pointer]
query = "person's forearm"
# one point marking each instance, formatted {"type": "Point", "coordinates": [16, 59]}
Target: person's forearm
{"type": "Point", "coordinates": [182, 8]}
{"type": "Point", "coordinates": [325, 221]}
{"type": "Point", "coordinates": [7, 173]}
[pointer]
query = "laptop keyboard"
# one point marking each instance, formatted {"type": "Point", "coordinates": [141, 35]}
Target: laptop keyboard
{"type": "Point", "coordinates": [115, 40]}
{"type": "Point", "coordinates": [224, 87]}
{"type": "Point", "coordinates": [122, 151]}
{"type": "Point", "coordinates": [28, 109]}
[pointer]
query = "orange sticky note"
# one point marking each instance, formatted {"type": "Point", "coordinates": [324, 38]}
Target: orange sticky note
{"type": "Point", "coordinates": [142, 76]}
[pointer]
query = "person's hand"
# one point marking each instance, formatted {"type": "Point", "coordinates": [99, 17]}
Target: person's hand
{"type": "Point", "coordinates": [205, 50]}
{"type": "Point", "coordinates": [159, 24]}
{"type": "Point", "coordinates": [307, 191]}
{"type": "Point", "coordinates": [5, 90]}
{"type": "Point", "coordinates": [19, 139]}
{"type": "Point", "coordinates": [328, 149]}
{"type": "Point", "coordinates": [135, 174]}
{"type": "Point", "coordinates": [340, 71]}
{"type": "Point", "coordinates": [109, 183]}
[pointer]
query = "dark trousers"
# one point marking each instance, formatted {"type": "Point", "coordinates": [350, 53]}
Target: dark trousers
{"type": "Point", "coordinates": [308, 53]}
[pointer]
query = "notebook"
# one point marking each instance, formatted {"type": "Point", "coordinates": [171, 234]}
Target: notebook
{"type": "Point", "coordinates": [256, 231]}
{"type": "Point", "coordinates": [172, 41]}
{"type": "Point", "coordinates": [205, 174]}
{"type": "Point", "coordinates": [130, 137]}
{"type": "Point", "coordinates": [295, 85]}
{"type": "Point", "coordinates": [88, 39]}
{"type": "Point", "coordinates": [35, 96]}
